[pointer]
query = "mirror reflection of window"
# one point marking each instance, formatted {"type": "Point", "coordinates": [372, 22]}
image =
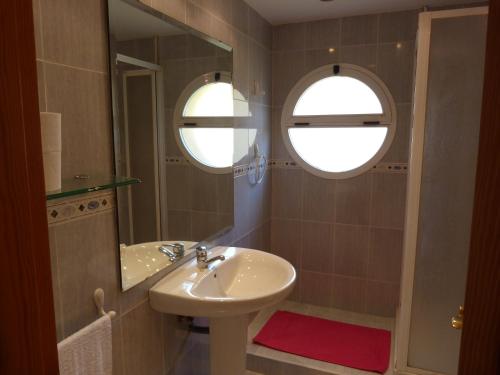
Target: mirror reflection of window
{"type": "Point", "coordinates": [204, 121]}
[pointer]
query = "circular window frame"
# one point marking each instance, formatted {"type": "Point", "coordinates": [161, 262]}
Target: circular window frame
{"type": "Point", "coordinates": [388, 118]}
{"type": "Point", "coordinates": [221, 122]}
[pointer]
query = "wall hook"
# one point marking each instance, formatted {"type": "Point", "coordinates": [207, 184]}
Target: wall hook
{"type": "Point", "coordinates": [99, 303]}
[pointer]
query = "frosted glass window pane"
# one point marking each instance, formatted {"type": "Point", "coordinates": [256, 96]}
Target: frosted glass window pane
{"type": "Point", "coordinates": [337, 149]}
{"type": "Point", "coordinates": [210, 146]}
{"type": "Point", "coordinates": [338, 96]}
{"type": "Point", "coordinates": [211, 100]}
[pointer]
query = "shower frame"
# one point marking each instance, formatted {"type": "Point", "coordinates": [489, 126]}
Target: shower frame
{"type": "Point", "coordinates": [403, 316]}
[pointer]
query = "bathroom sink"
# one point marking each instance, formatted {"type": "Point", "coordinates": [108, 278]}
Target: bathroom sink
{"type": "Point", "coordinates": [246, 281]}
{"type": "Point", "coordinates": [226, 291]}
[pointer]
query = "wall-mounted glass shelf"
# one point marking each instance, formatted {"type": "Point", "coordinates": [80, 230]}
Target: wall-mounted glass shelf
{"type": "Point", "coordinates": [75, 186]}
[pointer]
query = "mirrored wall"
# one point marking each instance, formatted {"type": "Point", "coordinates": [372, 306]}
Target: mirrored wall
{"type": "Point", "coordinates": [173, 107]}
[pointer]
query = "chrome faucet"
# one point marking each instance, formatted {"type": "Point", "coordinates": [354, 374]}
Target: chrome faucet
{"type": "Point", "coordinates": [175, 254]}
{"type": "Point", "coordinates": [201, 257]}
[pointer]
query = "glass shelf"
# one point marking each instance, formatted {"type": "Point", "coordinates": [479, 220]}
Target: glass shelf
{"type": "Point", "coordinates": [75, 186]}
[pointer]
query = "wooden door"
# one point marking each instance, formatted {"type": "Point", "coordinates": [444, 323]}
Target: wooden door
{"type": "Point", "coordinates": [27, 328]}
{"type": "Point", "coordinates": [480, 344]}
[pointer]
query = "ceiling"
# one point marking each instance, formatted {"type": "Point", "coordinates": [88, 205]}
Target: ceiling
{"type": "Point", "coordinates": [289, 11]}
{"type": "Point", "coordinates": [127, 23]}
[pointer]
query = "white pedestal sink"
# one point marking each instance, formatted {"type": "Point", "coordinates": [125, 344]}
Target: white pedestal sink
{"type": "Point", "coordinates": [226, 292]}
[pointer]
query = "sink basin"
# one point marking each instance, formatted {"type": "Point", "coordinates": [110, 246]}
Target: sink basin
{"type": "Point", "coordinates": [248, 280]}
{"type": "Point", "coordinates": [226, 292]}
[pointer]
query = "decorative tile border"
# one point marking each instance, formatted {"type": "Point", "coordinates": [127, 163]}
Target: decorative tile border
{"type": "Point", "coordinates": [89, 204]}
{"type": "Point", "coordinates": [379, 168]}
{"type": "Point", "coordinates": [177, 160]}
{"type": "Point", "coordinates": [401, 168]}
{"type": "Point", "coordinates": [283, 164]}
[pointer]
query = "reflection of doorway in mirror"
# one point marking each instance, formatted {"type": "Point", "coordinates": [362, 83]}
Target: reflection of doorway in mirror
{"type": "Point", "coordinates": [141, 154]}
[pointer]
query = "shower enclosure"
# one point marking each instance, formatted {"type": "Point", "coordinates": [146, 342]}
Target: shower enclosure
{"type": "Point", "coordinates": [445, 133]}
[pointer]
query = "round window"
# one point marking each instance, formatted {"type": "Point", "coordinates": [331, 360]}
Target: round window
{"type": "Point", "coordinates": [338, 121]}
{"type": "Point", "coordinates": [203, 119]}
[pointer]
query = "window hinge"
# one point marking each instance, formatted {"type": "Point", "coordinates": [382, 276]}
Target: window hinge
{"type": "Point", "coordinates": [301, 124]}
{"type": "Point", "coordinates": [190, 124]}
{"type": "Point", "coordinates": [371, 122]}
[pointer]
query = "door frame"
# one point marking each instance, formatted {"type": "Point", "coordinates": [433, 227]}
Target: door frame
{"type": "Point", "coordinates": [155, 131]}
{"type": "Point", "coordinates": [403, 316]}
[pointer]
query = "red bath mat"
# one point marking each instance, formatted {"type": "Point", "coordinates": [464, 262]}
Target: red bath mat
{"type": "Point", "coordinates": [327, 340]}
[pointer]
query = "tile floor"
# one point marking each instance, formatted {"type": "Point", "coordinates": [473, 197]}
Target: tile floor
{"type": "Point", "coordinates": [272, 362]}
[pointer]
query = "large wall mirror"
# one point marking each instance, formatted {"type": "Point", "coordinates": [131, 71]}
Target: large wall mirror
{"type": "Point", "coordinates": [173, 108]}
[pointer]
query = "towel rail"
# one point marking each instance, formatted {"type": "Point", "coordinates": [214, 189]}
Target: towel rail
{"type": "Point", "coordinates": [99, 303]}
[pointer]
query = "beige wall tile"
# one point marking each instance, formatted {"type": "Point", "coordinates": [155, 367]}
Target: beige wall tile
{"type": "Point", "coordinates": [225, 194]}
{"type": "Point", "coordinates": [173, 8]}
{"type": "Point", "coordinates": [82, 99]}
{"type": "Point", "coordinates": [260, 73]}
{"type": "Point", "coordinates": [198, 18]}
{"type": "Point", "coordinates": [203, 225]}
{"type": "Point", "coordinates": [279, 150]}
{"type": "Point", "coordinates": [289, 37]}
{"type": "Point", "coordinates": [55, 284]}
{"type": "Point", "coordinates": [388, 200]}
{"type": "Point", "coordinates": [203, 190]}
{"type": "Point", "coordinates": [318, 197]}
{"type": "Point", "coordinates": [317, 247]}
{"type": "Point", "coordinates": [143, 341]}
{"type": "Point", "coordinates": [241, 69]}
{"type": "Point", "coordinates": [288, 68]}
{"type": "Point", "coordinates": [398, 26]}
{"type": "Point", "coordinates": [322, 34]}
{"type": "Point", "coordinates": [222, 31]}
{"type": "Point", "coordinates": [240, 16]}
{"type": "Point", "coordinates": [74, 33]}
{"type": "Point", "coordinates": [286, 193]}
{"type": "Point", "coordinates": [143, 49]}
{"type": "Point", "coordinates": [352, 197]}
{"type": "Point", "coordinates": [87, 257]}
{"type": "Point", "coordinates": [386, 248]}
{"type": "Point", "coordinates": [351, 248]}
{"type": "Point", "coordinates": [362, 55]}
{"type": "Point", "coordinates": [400, 148]}
{"type": "Point", "coordinates": [173, 47]}
{"type": "Point", "coordinates": [359, 30]}
{"type": "Point", "coordinates": [316, 58]}
{"type": "Point", "coordinates": [179, 187]}
{"type": "Point", "coordinates": [381, 298]}
{"type": "Point", "coordinates": [259, 29]}
{"type": "Point", "coordinates": [395, 68]}
{"type": "Point", "coordinates": [348, 293]}
{"type": "Point", "coordinates": [117, 346]}
{"type": "Point", "coordinates": [316, 288]}
{"type": "Point", "coordinates": [40, 71]}
{"type": "Point", "coordinates": [286, 240]}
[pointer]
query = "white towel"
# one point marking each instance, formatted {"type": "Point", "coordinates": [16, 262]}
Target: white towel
{"type": "Point", "coordinates": [88, 351]}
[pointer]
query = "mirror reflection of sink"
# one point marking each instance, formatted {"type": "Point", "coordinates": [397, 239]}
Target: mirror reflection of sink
{"type": "Point", "coordinates": [143, 260]}
{"type": "Point", "coordinates": [226, 292]}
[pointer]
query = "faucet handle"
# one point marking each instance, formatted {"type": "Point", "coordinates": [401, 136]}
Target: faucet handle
{"type": "Point", "coordinates": [201, 253]}
{"type": "Point", "coordinates": [178, 248]}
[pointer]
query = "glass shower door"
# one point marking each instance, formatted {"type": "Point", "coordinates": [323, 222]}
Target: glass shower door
{"type": "Point", "coordinates": [440, 209]}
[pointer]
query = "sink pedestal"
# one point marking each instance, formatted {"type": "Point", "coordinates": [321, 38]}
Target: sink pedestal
{"type": "Point", "coordinates": [228, 345]}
